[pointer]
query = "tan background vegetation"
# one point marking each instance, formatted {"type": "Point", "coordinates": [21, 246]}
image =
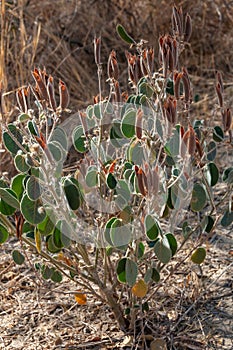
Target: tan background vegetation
{"type": "Point", "coordinates": [59, 35]}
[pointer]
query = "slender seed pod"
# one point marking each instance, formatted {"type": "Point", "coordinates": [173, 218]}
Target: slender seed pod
{"type": "Point", "coordinates": [219, 94]}
{"type": "Point", "coordinates": [141, 185]}
{"type": "Point", "coordinates": [39, 79]}
{"type": "Point", "coordinates": [139, 123]}
{"type": "Point", "coordinates": [97, 48]}
{"type": "Point", "coordinates": [187, 91]}
{"type": "Point", "coordinates": [51, 93]}
{"type": "Point", "coordinates": [64, 95]}
{"type": "Point", "coordinates": [177, 79]}
{"type": "Point", "coordinates": [117, 91]}
{"type": "Point", "coordinates": [187, 28]}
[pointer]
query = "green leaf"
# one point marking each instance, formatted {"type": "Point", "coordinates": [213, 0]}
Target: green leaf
{"type": "Point", "coordinates": [32, 127]}
{"type": "Point", "coordinates": [172, 242]}
{"type": "Point", "coordinates": [208, 223]}
{"type": "Point", "coordinates": [124, 35]}
{"type": "Point", "coordinates": [116, 137]}
{"type": "Point", "coordinates": [199, 255]}
{"type": "Point", "coordinates": [18, 257]}
{"type": "Point", "coordinates": [212, 174]}
{"type": "Point", "coordinates": [162, 250]}
{"type": "Point", "coordinates": [32, 211]}
{"type": "Point", "coordinates": [91, 177]}
{"type": "Point", "coordinates": [128, 123]}
{"type": "Point", "coordinates": [120, 234]}
{"type": "Point", "coordinates": [9, 141]}
{"type": "Point", "coordinates": [218, 134]}
{"type": "Point", "coordinates": [111, 181]}
{"type": "Point", "coordinates": [6, 209]}
{"type": "Point", "coordinates": [211, 151]}
{"type": "Point", "coordinates": [56, 276]}
{"type": "Point", "coordinates": [227, 218]}
{"type": "Point", "coordinates": [228, 175]}
{"type": "Point", "coordinates": [107, 230]}
{"type": "Point", "coordinates": [52, 248]}
{"type": "Point", "coordinates": [198, 199]}
{"type": "Point", "coordinates": [155, 275]}
{"type": "Point", "coordinates": [20, 163]}
{"type": "Point", "coordinates": [141, 250]}
{"type": "Point", "coordinates": [146, 89]}
{"type": "Point", "coordinates": [46, 226]}
{"type": "Point", "coordinates": [46, 272]}
{"type": "Point", "coordinates": [33, 188]}
{"type": "Point", "coordinates": [3, 234]}
{"type": "Point", "coordinates": [135, 152]}
{"type": "Point", "coordinates": [79, 139]}
{"type": "Point", "coordinates": [152, 227]}
{"type": "Point", "coordinates": [23, 117]}
{"type": "Point", "coordinates": [131, 272]}
{"type": "Point", "coordinates": [72, 193]}
{"type": "Point", "coordinates": [121, 274]}
{"type": "Point", "coordinates": [55, 150]}
{"type": "Point", "coordinates": [17, 185]}
{"type": "Point", "coordinates": [9, 197]}
{"type": "Point", "coordinates": [60, 137]}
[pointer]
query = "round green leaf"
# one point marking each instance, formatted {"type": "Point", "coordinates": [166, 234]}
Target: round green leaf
{"type": "Point", "coordinates": [199, 255]}
{"type": "Point", "coordinates": [162, 250]}
{"type": "Point", "coordinates": [46, 226]}
{"type": "Point", "coordinates": [128, 123]}
{"type": "Point", "coordinates": [18, 257]}
{"type": "Point", "coordinates": [131, 272]}
{"type": "Point", "coordinates": [211, 151]}
{"type": "Point", "coordinates": [33, 211]}
{"type": "Point", "coordinates": [141, 250]}
{"type": "Point", "coordinates": [10, 137]}
{"type": "Point", "coordinates": [3, 234]}
{"type": "Point", "coordinates": [17, 185]}
{"type": "Point", "coordinates": [172, 242]}
{"type": "Point", "coordinates": [146, 89]}
{"type": "Point", "coordinates": [121, 266]}
{"type": "Point", "coordinates": [46, 272]}
{"type": "Point", "coordinates": [155, 275]}
{"type": "Point", "coordinates": [227, 218]}
{"type": "Point", "coordinates": [228, 175]}
{"type": "Point", "coordinates": [107, 230]}
{"type": "Point", "coordinates": [91, 177]}
{"type": "Point", "coordinates": [79, 139]}
{"type": "Point", "coordinates": [212, 174]}
{"type": "Point", "coordinates": [52, 248]}
{"type": "Point", "coordinates": [152, 227]}
{"type": "Point", "coordinates": [120, 234]}
{"type": "Point", "coordinates": [33, 188]}
{"type": "Point", "coordinates": [60, 137]}
{"type": "Point", "coordinates": [72, 193]}
{"type": "Point", "coordinates": [20, 163]}
{"type": "Point", "coordinates": [9, 197]}
{"type": "Point", "coordinates": [218, 134]}
{"type": "Point", "coordinates": [198, 200]}
{"type": "Point", "coordinates": [56, 276]}
{"type": "Point", "coordinates": [111, 181]}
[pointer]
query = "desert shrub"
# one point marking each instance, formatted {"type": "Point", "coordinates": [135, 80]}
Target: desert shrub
{"type": "Point", "coordinates": [107, 196]}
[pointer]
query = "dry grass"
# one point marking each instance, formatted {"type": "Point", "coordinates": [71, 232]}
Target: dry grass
{"type": "Point", "coordinates": [59, 35]}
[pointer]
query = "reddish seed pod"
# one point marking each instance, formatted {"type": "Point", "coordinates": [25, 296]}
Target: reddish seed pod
{"type": "Point", "coordinates": [187, 28]}
{"type": "Point", "coordinates": [64, 95]}
{"type": "Point", "coordinates": [97, 48]}
{"type": "Point", "coordinates": [117, 91]}
{"type": "Point", "coordinates": [219, 94]}
{"type": "Point", "coordinates": [227, 119]}
{"type": "Point", "coordinates": [113, 72]}
{"type": "Point", "coordinates": [141, 184]}
{"type": "Point", "coordinates": [139, 123]}
{"type": "Point", "coordinates": [51, 93]}
{"type": "Point", "coordinates": [177, 79]}
{"type": "Point", "coordinates": [39, 78]}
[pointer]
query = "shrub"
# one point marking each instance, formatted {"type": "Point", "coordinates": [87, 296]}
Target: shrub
{"type": "Point", "coordinates": [119, 213]}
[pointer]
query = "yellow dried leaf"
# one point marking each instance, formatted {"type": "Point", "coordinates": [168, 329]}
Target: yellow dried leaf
{"type": "Point", "coordinates": [140, 288]}
{"type": "Point", "coordinates": [81, 298]}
